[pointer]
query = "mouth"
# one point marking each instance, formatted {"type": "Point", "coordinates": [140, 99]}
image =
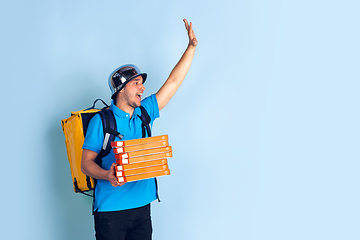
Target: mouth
{"type": "Point", "coordinates": [139, 95]}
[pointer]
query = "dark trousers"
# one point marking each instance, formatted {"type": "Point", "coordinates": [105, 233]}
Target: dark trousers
{"type": "Point", "coordinates": [131, 224]}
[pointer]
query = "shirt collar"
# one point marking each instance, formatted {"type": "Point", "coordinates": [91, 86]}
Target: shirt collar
{"type": "Point", "coordinates": [120, 113]}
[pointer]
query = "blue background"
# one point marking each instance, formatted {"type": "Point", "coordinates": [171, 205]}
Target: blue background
{"type": "Point", "coordinates": [264, 129]}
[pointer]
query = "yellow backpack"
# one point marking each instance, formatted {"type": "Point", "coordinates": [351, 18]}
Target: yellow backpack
{"type": "Point", "coordinates": [74, 129]}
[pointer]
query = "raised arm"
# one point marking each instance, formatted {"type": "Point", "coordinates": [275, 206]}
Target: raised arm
{"type": "Point", "coordinates": [180, 70]}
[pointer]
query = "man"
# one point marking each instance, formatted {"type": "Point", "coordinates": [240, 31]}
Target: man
{"type": "Point", "coordinates": [122, 211]}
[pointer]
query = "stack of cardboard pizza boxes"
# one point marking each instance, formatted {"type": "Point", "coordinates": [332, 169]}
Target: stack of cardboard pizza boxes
{"type": "Point", "coordinates": [142, 158]}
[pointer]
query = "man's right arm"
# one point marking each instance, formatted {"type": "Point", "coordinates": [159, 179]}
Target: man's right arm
{"type": "Point", "coordinates": [92, 169]}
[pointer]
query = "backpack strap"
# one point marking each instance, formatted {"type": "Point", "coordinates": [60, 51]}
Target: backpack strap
{"type": "Point", "coordinates": [145, 126]}
{"type": "Point", "coordinates": [109, 129]}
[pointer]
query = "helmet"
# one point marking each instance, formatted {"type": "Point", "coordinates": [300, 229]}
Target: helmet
{"type": "Point", "coordinates": [122, 75]}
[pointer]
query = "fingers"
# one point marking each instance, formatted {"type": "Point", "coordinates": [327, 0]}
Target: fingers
{"type": "Point", "coordinates": [188, 27]}
{"type": "Point", "coordinates": [112, 178]}
{"type": "Point", "coordinates": [112, 168]}
{"type": "Point", "coordinates": [192, 38]}
{"type": "Point", "coordinates": [186, 24]}
{"type": "Point", "coordinates": [115, 183]}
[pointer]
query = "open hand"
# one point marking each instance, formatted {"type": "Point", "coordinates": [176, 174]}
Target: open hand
{"type": "Point", "coordinates": [192, 38]}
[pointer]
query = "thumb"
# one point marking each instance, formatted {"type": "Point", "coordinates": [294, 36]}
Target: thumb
{"type": "Point", "coordinates": [112, 168]}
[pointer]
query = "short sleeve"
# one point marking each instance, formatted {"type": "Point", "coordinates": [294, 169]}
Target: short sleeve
{"type": "Point", "coordinates": [94, 135]}
{"type": "Point", "coordinates": [151, 105]}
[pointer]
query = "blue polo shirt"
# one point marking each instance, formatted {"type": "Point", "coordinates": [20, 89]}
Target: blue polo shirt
{"type": "Point", "coordinates": [132, 194]}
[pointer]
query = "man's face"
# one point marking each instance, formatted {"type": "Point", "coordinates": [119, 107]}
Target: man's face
{"type": "Point", "coordinates": [133, 91]}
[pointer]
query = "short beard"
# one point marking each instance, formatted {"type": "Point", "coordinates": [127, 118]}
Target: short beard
{"type": "Point", "coordinates": [132, 104]}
